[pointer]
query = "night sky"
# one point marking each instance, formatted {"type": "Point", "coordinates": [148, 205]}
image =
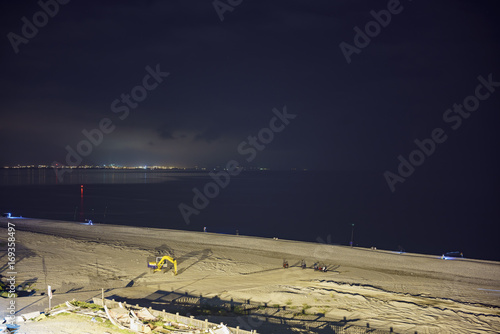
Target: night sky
{"type": "Point", "coordinates": [354, 112]}
{"type": "Point", "coordinates": [397, 100]}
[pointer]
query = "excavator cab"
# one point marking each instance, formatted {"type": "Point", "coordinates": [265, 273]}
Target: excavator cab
{"type": "Point", "coordinates": [161, 263]}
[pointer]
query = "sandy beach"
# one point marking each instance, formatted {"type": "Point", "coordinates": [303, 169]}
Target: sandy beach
{"type": "Point", "coordinates": [362, 287]}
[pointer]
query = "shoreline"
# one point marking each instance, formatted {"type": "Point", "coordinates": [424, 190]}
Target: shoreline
{"type": "Point", "coordinates": [201, 233]}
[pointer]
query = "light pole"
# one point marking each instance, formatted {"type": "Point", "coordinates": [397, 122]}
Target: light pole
{"type": "Point", "coordinates": [352, 235]}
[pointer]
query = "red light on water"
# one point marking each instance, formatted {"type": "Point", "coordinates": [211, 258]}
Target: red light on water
{"type": "Point", "coordinates": [81, 202]}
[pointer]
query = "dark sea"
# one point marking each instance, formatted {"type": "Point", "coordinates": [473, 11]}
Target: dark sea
{"type": "Point", "coordinates": [310, 206]}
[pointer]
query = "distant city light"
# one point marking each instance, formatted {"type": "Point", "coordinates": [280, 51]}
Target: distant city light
{"type": "Point", "coordinates": [154, 167]}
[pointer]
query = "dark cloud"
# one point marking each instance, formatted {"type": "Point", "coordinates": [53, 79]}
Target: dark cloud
{"type": "Point", "coordinates": [226, 77]}
{"type": "Point", "coordinates": [211, 134]}
{"type": "Point", "coordinates": [165, 133]}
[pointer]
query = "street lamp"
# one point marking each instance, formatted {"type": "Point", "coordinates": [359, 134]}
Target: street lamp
{"type": "Point", "coordinates": [352, 235]}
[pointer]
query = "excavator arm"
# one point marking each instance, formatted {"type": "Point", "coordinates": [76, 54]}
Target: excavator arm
{"type": "Point", "coordinates": [158, 264]}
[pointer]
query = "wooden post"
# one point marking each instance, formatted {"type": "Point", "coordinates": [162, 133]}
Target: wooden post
{"type": "Point", "coordinates": [102, 296]}
{"type": "Point", "coordinates": [49, 294]}
{"type": "Point", "coordinates": [206, 323]}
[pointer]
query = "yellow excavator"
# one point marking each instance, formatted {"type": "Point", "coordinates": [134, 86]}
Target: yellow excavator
{"type": "Point", "coordinates": [158, 263]}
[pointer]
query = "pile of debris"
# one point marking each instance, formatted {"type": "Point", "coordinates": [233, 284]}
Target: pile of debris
{"type": "Point", "coordinates": [122, 316]}
{"type": "Point", "coordinates": [143, 321]}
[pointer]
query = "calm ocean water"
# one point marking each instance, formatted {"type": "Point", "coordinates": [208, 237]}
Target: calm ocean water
{"type": "Point", "coordinates": [308, 206]}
